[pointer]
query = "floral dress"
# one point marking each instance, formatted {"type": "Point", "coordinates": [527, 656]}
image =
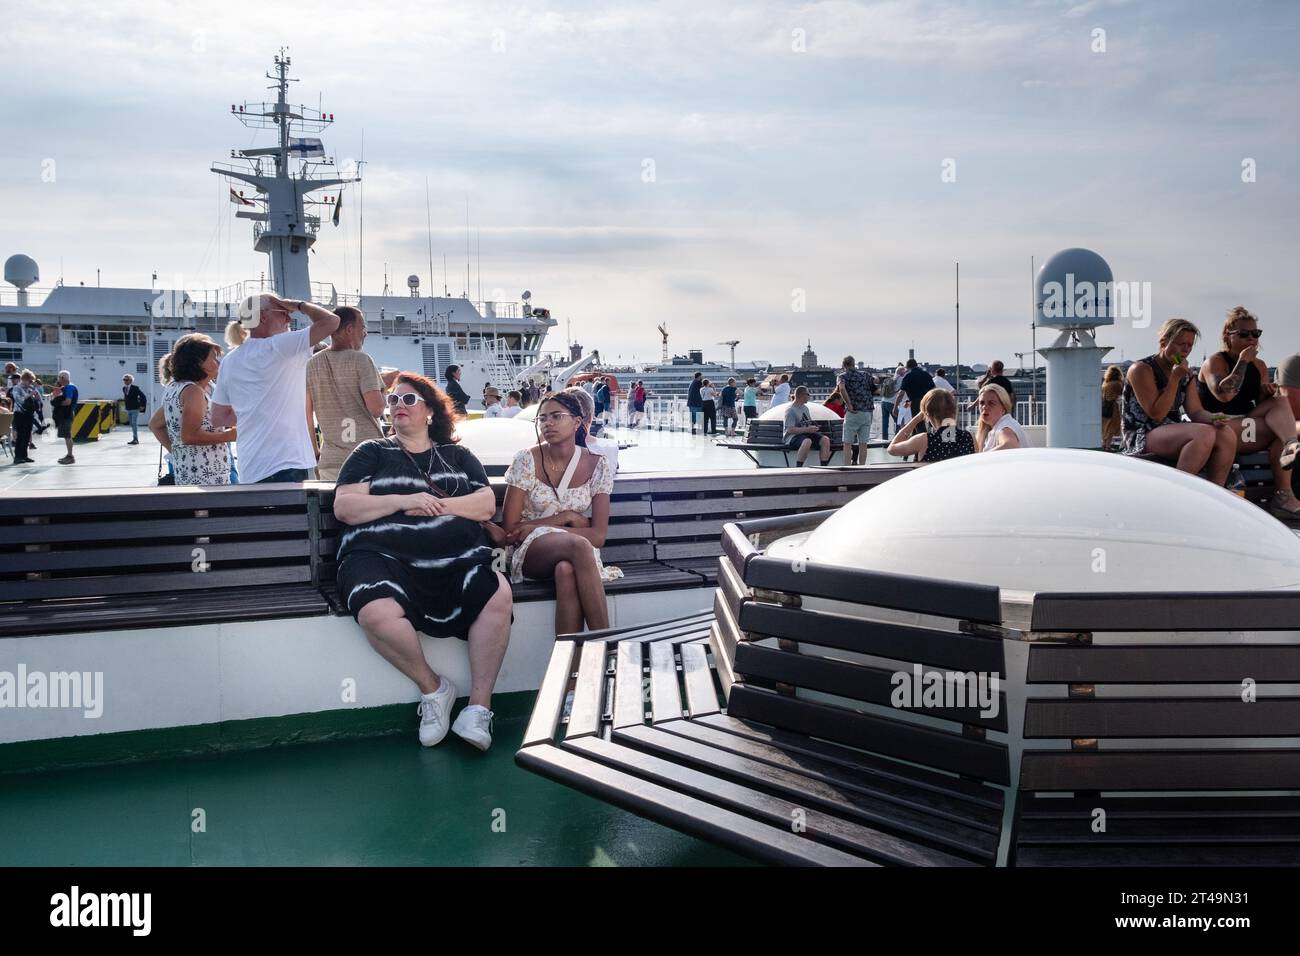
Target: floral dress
{"type": "Point", "coordinates": [543, 501]}
{"type": "Point", "coordinates": [194, 464]}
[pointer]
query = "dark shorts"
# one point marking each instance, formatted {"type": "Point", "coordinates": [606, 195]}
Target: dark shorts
{"type": "Point", "coordinates": [751, 411]}
{"type": "Point", "coordinates": [284, 474]}
{"type": "Point", "coordinates": [794, 441]}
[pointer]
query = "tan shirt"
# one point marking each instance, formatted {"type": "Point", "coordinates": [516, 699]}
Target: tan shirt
{"type": "Point", "coordinates": [337, 382]}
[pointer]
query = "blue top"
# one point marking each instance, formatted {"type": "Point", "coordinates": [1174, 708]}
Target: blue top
{"type": "Point", "coordinates": [728, 395]}
{"type": "Point", "coordinates": [751, 395]}
{"type": "Point", "coordinates": [70, 391]}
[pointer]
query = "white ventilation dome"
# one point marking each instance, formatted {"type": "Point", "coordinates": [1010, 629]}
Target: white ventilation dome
{"type": "Point", "coordinates": [22, 271]}
{"type": "Point", "coordinates": [816, 411]}
{"type": "Point", "coordinates": [1059, 520]}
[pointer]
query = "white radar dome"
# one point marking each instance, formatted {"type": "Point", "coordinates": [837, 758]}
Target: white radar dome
{"type": "Point", "coordinates": [22, 271]}
{"type": "Point", "coordinates": [1057, 519]}
{"type": "Point", "coordinates": [816, 411]}
{"type": "Point", "coordinates": [413, 282]}
{"type": "Point", "coordinates": [495, 441]}
{"type": "Point", "coordinates": [1074, 289]}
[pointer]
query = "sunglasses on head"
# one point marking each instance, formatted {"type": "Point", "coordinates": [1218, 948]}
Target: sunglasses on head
{"type": "Point", "coordinates": [406, 398]}
{"type": "Point", "coordinates": [1248, 333]}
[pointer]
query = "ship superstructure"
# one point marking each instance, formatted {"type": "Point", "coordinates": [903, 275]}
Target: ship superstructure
{"type": "Point", "coordinates": [100, 333]}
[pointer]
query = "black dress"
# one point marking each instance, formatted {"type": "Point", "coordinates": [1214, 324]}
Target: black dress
{"type": "Point", "coordinates": [439, 569]}
{"type": "Point", "coordinates": [947, 442]}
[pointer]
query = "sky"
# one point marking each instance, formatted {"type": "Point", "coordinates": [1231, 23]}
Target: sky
{"type": "Point", "coordinates": [771, 172]}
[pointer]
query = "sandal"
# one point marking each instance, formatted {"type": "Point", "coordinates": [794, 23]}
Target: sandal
{"type": "Point", "coordinates": [1276, 509]}
{"type": "Point", "coordinates": [1289, 455]}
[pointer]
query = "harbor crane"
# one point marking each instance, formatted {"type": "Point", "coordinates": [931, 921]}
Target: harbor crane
{"type": "Point", "coordinates": [733, 343]}
{"type": "Point", "coordinates": [663, 330]}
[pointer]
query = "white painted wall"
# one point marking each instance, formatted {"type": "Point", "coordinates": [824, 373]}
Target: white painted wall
{"type": "Point", "coordinates": [183, 676]}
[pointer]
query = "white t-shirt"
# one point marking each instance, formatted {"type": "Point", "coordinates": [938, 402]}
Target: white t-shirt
{"type": "Point", "coordinates": [1006, 421]}
{"type": "Point", "coordinates": [941, 382]}
{"type": "Point", "coordinates": [265, 382]}
{"type": "Point", "coordinates": [781, 394]}
{"type": "Point", "coordinates": [508, 411]}
{"type": "Point", "coordinates": [492, 411]}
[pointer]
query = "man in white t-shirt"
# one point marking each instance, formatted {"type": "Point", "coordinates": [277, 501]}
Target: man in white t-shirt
{"type": "Point", "coordinates": [940, 381]}
{"type": "Point", "coordinates": [262, 387]}
{"type": "Point", "coordinates": [781, 394]}
{"type": "Point", "coordinates": [512, 406]}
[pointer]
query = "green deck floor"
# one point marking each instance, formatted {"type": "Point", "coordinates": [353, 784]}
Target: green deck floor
{"type": "Point", "coordinates": [377, 801]}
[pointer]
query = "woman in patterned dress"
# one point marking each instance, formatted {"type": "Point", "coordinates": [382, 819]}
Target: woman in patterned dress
{"type": "Point", "coordinates": [183, 420]}
{"type": "Point", "coordinates": [1156, 398]}
{"type": "Point", "coordinates": [414, 557]}
{"type": "Point", "coordinates": [557, 513]}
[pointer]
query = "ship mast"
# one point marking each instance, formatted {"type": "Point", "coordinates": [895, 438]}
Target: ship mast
{"type": "Point", "coordinates": [281, 227]}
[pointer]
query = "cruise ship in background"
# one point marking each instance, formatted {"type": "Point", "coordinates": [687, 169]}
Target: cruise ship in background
{"type": "Point", "coordinates": [98, 334]}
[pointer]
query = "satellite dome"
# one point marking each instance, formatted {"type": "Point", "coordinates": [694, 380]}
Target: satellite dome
{"type": "Point", "coordinates": [816, 411]}
{"type": "Point", "coordinates": [413, 282]}
{"type": "Point", "coordinates": [1074, 289]}
{"type": "Point", "coordinates": [21, 271]}
{"type": "Point", "coordinates": [495, 441]}
{"type": "Point", "coordinates": [1058, 520]}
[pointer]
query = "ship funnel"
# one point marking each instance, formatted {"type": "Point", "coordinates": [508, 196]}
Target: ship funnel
{"type": "Point", "coordinates": [22, 271]}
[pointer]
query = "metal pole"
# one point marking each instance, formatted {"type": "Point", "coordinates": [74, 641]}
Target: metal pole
{"type": "Point", "coordinates": [958, 308]}
{"type": "Point", "coordinates": [1033, 333]}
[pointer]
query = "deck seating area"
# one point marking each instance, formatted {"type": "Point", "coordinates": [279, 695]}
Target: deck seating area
{"type": "Point", "coordinates": [769, 725]}
{"type": "Point", "coordinates": [150, 557]}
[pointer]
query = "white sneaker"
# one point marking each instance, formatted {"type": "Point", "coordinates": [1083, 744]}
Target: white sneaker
{"type": "Point", "coordinates": [434, 710]}
{"type": "Point", "coordinates": [474, 726]}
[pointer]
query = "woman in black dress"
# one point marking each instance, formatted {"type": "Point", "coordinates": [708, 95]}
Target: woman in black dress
{"type": "Point", "coordinates": [933, 435]}
{"type": "Point", "coordinates": [415, 557]}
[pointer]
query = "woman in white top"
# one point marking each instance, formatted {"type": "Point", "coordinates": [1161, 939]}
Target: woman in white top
{"type": "Point", "coordinates": [556, 513]}
{"type": "Point", "coordinates": [998, 430]}
{"type": "Point", "coordinates": [183, 420]}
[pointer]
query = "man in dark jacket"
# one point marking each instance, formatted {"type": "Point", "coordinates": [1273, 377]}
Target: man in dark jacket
{"type": "Point", "coordinates": [915, 384]}
{"type": "Point", "coordinates": [459, 397]}
{"type": "Point", "coordinates": [695, 404]}
{"type": "Point", "coordinates": [136, 402]}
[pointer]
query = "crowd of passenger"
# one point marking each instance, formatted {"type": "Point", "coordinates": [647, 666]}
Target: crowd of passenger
{"type": "Point", "coordinates": [422, 551]}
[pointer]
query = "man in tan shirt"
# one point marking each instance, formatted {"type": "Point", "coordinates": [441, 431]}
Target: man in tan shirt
{"type": "Point", "coordinates": [344, 392]}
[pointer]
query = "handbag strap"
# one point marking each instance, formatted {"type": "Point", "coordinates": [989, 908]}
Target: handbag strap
{"type": "Point", "coordinates": [434, 489]}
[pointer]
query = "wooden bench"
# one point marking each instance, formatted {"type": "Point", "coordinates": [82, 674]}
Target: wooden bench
{"type": "Point", "coordinates": [1146, 752]}
{"type": "Point", "coordinates": [73, 560]}
{"type": "Point", "coordinates": [689, 512]}
{"type": "Point", "coordinates": [809, 763]}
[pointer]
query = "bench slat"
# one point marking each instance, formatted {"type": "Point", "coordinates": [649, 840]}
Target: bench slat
{"type": "Point", "coordinates": [903, 642]}
{"type": "Point", "coordinates": [874, 685]}
{"type": "Point", "coordinates": [1156, 717]}
{"type": "Point", "coordinates": [914, 788]}
{"type": "Point", "coordinates": [974, 602]}
{"type": "Point", "coordinates": [213, 526]}
{"type": "Point", "coordinates": [680, 811]}
{"type": "Point", "coordinates": [701, 697]}
{"type": "Point", "coordinates": [629, 689]}
{"type": "Point", "coordinates": [1164, 664]}
{"type": "Point", "coordinates": [174, 581]}
{"type": "Point", "coordinates": [665, 697]}
{"type": "Point", "coordinates": [584, 716]}
{"type": "Point", "coordinates": [776, 809]}
{"type": "Point", "coordinates": [1192, 770]}
{"type": "Point", "coordinates": [811, 792]}
{"type": "Point", "coordinates": [550, 698]}
{"type": "Point", "coordinates": [117, 558]}
{"type": "Point", "coordinates": [1158, 611]}
{"type": "Point", "coordinates": [981, 759]}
